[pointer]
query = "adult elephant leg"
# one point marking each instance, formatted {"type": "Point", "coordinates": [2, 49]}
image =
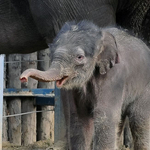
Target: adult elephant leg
{"type": "Point", "coordinates": [79, 129]}
{"type": "Point", "coordinates": [18, 31]}
{"type": "Point", "coordinates": [146, 29]}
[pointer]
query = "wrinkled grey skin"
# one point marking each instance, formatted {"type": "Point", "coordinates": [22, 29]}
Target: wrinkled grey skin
{"type": "Point", "coordinates": [28, 25]}
{"type": "Point", "coordinates": [107, 73]}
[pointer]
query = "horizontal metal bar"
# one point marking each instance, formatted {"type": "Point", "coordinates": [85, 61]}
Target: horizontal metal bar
{"type": "Point", "coordinates": [10, 92]}
{"type": "Point", "coordinates": [44, 101]}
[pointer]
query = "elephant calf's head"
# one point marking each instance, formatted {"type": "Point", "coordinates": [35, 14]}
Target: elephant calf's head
{"type": "Point", "coordinates": [76, 51]}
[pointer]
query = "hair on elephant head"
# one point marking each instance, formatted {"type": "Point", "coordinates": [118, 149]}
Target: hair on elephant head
{"type": "Point", "coordinates": [76, 51]}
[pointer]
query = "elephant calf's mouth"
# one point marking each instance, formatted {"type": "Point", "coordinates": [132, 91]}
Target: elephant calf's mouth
{"type": "Point", "coordinates": [60, 82]}
{"type": "Point", "coordinates": [23, 79]}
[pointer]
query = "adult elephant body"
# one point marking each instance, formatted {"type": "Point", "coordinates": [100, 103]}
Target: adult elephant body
{"type": "Point", "coordinates": [28, 25]}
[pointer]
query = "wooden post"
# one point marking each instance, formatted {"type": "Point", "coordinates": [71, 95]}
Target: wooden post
{"type": "Point", "coordinates": [29, 121]}
{"type": "Point", "coordinates": [14, 104]}
{"type": "Point", "coordinates": [45, 124]}
{"type": "Point", "coordinates": [5, 124]}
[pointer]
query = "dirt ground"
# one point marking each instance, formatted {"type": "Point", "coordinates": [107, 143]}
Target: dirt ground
{"type": "Point", "coordinates": [41, 145]}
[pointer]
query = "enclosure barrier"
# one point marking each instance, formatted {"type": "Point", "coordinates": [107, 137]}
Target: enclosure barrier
{"type": "Point", "coordinates": [42, 97]}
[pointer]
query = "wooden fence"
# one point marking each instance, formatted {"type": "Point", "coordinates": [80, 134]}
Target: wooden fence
{"type": "Point", "coordinates": [26, 129]}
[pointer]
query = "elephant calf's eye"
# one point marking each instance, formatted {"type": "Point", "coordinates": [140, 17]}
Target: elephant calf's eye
{"type": "Point", "coordinates": [80, 57]}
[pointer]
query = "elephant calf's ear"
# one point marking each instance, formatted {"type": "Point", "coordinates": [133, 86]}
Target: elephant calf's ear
{"type": "Point", "coordinates": [107, 56]}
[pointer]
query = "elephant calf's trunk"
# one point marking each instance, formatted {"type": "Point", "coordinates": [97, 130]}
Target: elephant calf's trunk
{"type": "Point", "coordinates": [45, 76]}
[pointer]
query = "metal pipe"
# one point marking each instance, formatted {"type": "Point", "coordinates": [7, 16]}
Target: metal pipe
{"type": "Point", "coordinates": [1, 96]}
{"type": "Point", "coordinates": [27, 113]}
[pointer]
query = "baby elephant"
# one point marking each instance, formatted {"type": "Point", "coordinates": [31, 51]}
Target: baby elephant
{"type": "Point", "coordinates": [108, 74]}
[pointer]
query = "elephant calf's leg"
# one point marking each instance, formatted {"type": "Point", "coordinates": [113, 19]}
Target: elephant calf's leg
{"type": "Point", "coordinates": [81, 133]}
{"type": "Point", "coordinates": [106, 130]}
{"type": "Point", "coordinates": [141, 133]}
{"type": "Point", "coordinates": [128, 141]}
{"type": "Point", "coordinates": [140, 125]}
